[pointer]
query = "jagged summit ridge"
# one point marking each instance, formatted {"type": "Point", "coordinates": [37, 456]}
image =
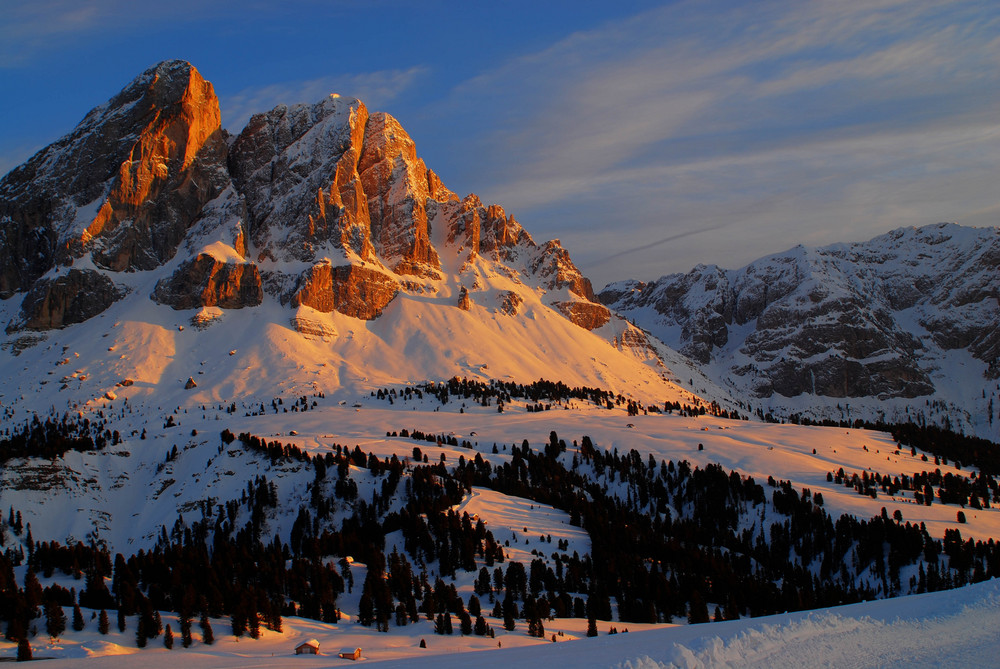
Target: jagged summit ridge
{"type": "Point", "coordinates": [124, 186]}
{"type": "Point", "coordinates": [324, 205]}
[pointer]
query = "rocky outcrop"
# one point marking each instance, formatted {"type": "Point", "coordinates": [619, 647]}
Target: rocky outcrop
{"type": "Point", "coordinates": [554, 267]}
{"type": "Point", "coordinates": [464, 301]}
{"type": "Point", "coordinates": [485, 231]}
{"type": "Point", "coordinates": [510, 303]}
{"type": "Point", "coordinates": [587, 315]}
{"type": "Point", "coordinates": [331, 181]}
{"type": "Point", "coordinates": [330, 177]}
{"type": "Point", "coordinates": [297, 167]}
{"type": "Point", "coordinates": [353, 290]}
{"type": "Point", "coordinates": [124, 186]}
{"type": "Point", "coordinates": [312, 326]}
{"type": "Point", "coordinates": [207, 282]}
{"type": "Point", "coordinates": [71, 298]}
{"type": "Point", "coordinates": [398, 187]}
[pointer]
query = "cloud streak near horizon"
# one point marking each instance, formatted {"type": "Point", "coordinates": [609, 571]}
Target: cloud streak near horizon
{"type": "Point", "coordinates": [782, 123]}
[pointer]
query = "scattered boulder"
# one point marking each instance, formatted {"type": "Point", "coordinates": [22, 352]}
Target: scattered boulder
{"type": "Point", "coordinates": [510, 302]}
{"type": "Point", "coordinates": [464, 301]}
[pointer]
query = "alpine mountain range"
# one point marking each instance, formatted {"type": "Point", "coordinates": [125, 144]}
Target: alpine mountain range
{"type": "Point", "coordinates": [293, 357]}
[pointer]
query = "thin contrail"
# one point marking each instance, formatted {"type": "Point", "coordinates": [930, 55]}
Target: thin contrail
{"type": "Point", "coordinates": [659, 242]}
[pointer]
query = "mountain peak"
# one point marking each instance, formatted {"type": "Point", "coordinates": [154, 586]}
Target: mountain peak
{"type": "Point", "coordinates": [326, 206]}
{"type": "Point", "coordinates": [122, 187]}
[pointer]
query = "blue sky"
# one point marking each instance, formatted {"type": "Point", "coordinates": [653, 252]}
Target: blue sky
{"type": "Point", "coordinates": [647, 136]}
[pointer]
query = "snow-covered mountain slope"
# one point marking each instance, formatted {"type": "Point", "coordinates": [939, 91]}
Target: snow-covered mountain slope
{"type": "Point", "coordinates": [129, 494]}
{"type": "Point", "coordinates": [313, 252]}
{"type": "Point", "coordinates": [902, 327]}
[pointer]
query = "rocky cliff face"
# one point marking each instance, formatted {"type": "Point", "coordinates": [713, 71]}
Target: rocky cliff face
{"type": "Point", "coordinates": [325, 206]}
{"type": "Point", "coordinates": [872, 319]}
{"type": "Point", "coordinates": [343, 190]}
{"type": "Point", "coordinates": [208, 282]}
{"type": "Point", "coordinates": [356, 291]}
{"type": "Point", "coordinates": [123, 187]}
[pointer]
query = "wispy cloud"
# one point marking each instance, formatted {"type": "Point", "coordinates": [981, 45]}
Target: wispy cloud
{"type": "Point", "coordinates": [375, 89]}
{"type": "Point", "coordinates": [27, 26]}
{"type": "Point", "coordinates": [31, 27]}
{"type": "Point", "coordinates": [782, 121]}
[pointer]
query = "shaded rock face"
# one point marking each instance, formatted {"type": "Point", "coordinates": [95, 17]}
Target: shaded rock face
{"type": "Point", "coordinates": [329, 177]}
{"type": "Point", "coordinates": [297, 167]}
{"type": "Point", "coordinates": [68, 299]}
{"type": "Point", "coordinates": [836, 321]}
{"type": "Point", "coordinates": [207, 282]}
{"type": "Point", "coordinates": [587, 315]}
{"type": "Point", "coordinates": [554, 266]}
{"type": "Point", "coordinates": [353, 290]}
{"type": "Point", "coordinates": [485, 231]}
{"type": "Point", "coordinates": [125, 185]}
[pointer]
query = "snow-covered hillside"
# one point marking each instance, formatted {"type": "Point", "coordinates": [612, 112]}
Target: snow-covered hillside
{"type": "Point", "coordinates": [323, 257]}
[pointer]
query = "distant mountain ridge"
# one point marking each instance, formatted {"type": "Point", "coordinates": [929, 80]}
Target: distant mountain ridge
{"type": "Point", "coordinates": [910, 314]}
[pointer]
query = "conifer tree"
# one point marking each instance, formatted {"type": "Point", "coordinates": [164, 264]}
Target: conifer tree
{"type": "Point", "coordinates": [207, 636]}
{"type": "Point", "coordinates": [168, 638]}
{"type": "Point", "coordinates": [481, 628]}
{"type": "Point", "coordinates": [366, 609]}
{"type": "Point", "coordinates": [103, 624]}
{"type": "Point", "coordinates": [55, 619]}
{"type": "Point", "coordinates": [697, 609]}
{"type": "Point", "coordinates": [239, 622]}
{"type": "Point", "coordinates": [253, 625]}
{"type": "Point", "coordinates": [465, 623]}
{"type": "Point", "coordinates": [77, 618]}
{"type": "Point", "coordinates": [185, 622]}
{"type": "Point", "coordinates": [23, 650]}
{"type": "Point", "coordinates": [157, 625]}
